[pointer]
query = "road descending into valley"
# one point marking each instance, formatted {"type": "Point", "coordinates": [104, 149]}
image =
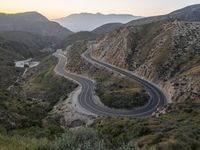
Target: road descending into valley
{"type": "Point", "coordinates": [86, 98]}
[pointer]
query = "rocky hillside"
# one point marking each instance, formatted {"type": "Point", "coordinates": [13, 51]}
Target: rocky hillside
{"type": "Point", "coordinates": [166, 52]}
{"type": "Point", "coordinates": [32, 22]}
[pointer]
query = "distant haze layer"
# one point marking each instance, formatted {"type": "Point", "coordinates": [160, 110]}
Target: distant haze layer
{"type": "Point", "coordinates": [88, 21]}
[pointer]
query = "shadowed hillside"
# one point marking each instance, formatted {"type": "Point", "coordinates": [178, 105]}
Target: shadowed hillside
{"type": "Point", "coordinates": [32, 22]}
{"type": "Point", "coordinates": [34, 42]}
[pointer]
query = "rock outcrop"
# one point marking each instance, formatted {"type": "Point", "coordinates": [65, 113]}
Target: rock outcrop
{"type": "Point", "coordinates": [166, 52]}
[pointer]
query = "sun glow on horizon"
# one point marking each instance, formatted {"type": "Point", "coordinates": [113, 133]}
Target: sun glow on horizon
{"type": "Point", "coordinates": [59, 8]}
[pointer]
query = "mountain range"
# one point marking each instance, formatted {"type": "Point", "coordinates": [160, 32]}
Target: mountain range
{"type": "Point", "coordinates": [189, 13]}
{"type": "Point", "coordinates": [88, 21]}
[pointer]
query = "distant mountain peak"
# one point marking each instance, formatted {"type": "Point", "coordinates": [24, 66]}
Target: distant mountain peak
{"type": "Point", "coordinates": [79, 22]}
{"type": "Point", "coordinates": [28, 16]}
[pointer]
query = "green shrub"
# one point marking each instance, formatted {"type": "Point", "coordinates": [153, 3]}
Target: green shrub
{"type": "Point", "coordinates": [81, 139]}
{"type": "Point", "coordinates": [21, 143]}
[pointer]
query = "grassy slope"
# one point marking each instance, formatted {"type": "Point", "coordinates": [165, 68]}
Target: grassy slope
{"type": "Point", "coordinates": [8, 54]}
{"type": "Point", "coordinates": [21, 143]}
{"type": "Point", "coordinates": [114, 91]}
{"type": "Point", "coordinates": [46, 85]}
{"type": "Point", "coordinates": [25, 119]}
{"type": "Point", "coordinates": [10, 51]}
{"type": "Point", "coordinates": [178, 129]}
{"type": "Point", "coordinates": [23, 122]}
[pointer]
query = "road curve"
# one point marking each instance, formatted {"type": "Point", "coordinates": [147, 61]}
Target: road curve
{"type": "Point", "coordinates": [86, 97]}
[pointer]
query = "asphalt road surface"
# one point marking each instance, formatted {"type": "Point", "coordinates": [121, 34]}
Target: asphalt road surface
{"type": "Point", "coordinates": [86, 98]}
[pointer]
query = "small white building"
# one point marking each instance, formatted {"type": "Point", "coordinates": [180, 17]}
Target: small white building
{"type": "Point", "coordinates": [59, 50]}
{"type": "Point", "coordinates": [23, 63]}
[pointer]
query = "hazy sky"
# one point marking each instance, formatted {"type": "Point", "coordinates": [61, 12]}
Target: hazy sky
{"type": "Point", "coordinates": [59, 8]}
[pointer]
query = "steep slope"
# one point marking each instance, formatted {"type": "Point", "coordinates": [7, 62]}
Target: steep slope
{"type": "Point", "coordinates": [88, 22]}
{"type": "Point", "coordinates": [32, 22]}
{"type": "Point", "coordinates": [166, 52]}
{"type": "Point", "coordinates": [84, 35]}
{"type": "Point", "coordinates": [35, 42]}
{"type": "Point", "coordinates": [22, 46]}
{"type": "Point", "coordinates": [107, 28]}
{"type": "Point", "coordinates": [189, 13]}
{"type": "Point", "coordinates": [9, 52]}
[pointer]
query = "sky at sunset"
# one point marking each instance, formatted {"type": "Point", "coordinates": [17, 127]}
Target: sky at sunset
{"type": "Point", "coordinates": [60, 8]}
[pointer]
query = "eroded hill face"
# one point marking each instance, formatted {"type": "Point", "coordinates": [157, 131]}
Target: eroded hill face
{"type": "Point", "coordinates": [166, 52]}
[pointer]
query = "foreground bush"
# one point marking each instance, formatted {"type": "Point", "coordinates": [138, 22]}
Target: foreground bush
{"type": "Point", "coordinates": [83, 139]}
{"type": "Point", "coordinates": [179, 129]}
{"type": "Point", "coordinates": [21, 143]}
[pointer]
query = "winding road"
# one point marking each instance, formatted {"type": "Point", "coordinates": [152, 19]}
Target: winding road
{"type": "Point", "coordinates": [86, 98]}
